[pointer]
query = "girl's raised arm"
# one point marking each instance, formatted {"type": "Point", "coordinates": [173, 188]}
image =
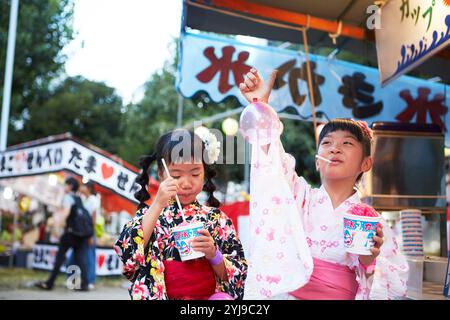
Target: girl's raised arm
{"type": "Point", "coordinates": [256, 87]}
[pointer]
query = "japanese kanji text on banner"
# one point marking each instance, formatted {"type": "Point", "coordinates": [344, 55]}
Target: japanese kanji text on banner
{"type": "Point", "coordinates": [341, 89]}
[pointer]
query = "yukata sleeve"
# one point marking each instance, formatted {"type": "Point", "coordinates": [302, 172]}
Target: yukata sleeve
{"type": "Point", "coordinates": [230, 246]}
{"type": "Point", "coordinates": [299, 186]}
{"type": "Point", "coordinates": [130, 246]}
{"type": "Point", "coordinates": [388, 282]}
{"type": "Point", "coordinates": [278, 254]}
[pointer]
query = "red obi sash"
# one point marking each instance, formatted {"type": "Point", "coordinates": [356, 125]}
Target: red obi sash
{"type": "Point", "coordinates": [329, 281]}
{"type": "Point", "coordinates": [189, 280]}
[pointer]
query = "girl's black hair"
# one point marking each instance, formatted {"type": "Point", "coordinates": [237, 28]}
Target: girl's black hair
{"type": "Point", "coordinates": [352, 127]}
{"type": "Point", "coordinates": [185, 146]}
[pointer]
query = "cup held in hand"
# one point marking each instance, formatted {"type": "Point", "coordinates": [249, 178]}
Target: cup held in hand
{"type": "Point", "coordinates": [359, 232]}
{"type": "Point", "coordinates": [183, 235]}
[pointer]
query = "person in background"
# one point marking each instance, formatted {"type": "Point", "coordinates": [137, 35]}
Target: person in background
{"type": "Point", "coordinates": [92, 204]}
{"type": "Point", "coordinates": [68, 240]}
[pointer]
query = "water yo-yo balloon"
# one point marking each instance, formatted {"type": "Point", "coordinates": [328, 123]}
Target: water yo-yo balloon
{"type": "Point", "coordinates": [220, 296]}
{"type": "Point", "coordinates": [259, 123]}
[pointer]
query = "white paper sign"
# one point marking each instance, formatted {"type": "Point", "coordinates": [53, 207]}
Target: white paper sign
{"type": "Point", "coordinates": [411, 32]}
{"type": "Point", "coordinates": [70, 155]}
{"type": "Point", "coordinates": [107, 261]}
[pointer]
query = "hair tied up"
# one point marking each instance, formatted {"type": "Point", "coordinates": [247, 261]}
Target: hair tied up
{"type": "Point", "coordinates": [365, 128]}
{"type": "Point", "coordinates": [146, 160]}
{"type": "Point", "coordinates": [209, 187]}
{"type": "Point", "coordinates": [142, 179]}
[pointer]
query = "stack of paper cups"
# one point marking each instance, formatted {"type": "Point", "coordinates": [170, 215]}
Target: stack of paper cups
{"type": "Point", "coordinates": [412, 234]}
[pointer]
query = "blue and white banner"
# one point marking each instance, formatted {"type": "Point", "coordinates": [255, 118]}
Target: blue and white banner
{"type": "Point", "coordinates": [216, 65]}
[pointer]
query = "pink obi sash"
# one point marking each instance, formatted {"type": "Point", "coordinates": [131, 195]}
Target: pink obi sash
{"type": "Point", "coordinates": [189, 280]}
{"type": "Point", "coordinates": [329, 281]}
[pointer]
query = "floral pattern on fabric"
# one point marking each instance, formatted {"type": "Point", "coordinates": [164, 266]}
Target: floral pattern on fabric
{"type": "Point", "coordinates": [144, 266]}
{"type": "Point", "coordinates": [323, 227]}
{"type": "Point", "coordinates": [318, 226]}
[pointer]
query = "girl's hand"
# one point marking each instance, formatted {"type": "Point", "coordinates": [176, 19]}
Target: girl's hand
{"type": "Point", "coordinates": [204, 243]}
{"type": "Point", "coordinates": [378, 239]}
{"type": "Point", "coordinates": [167, 190]}
{"type": "Point", "coordinates": [255, 87]}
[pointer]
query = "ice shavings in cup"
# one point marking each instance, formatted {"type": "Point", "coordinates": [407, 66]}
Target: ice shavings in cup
{"type": "Point", "coordinates": [362, 209]}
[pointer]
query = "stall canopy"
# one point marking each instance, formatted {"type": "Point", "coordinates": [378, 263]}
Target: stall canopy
{"type": "Point", "coordinates": [280, 20]}
{"type": "Point", "coordinates": [114, 178]}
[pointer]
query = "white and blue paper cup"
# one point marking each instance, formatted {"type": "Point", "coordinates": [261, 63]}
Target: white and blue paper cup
{"type": "Point", "coordinates": [359, 232]}
{"type": "Point", "coordinates": [183, 236]}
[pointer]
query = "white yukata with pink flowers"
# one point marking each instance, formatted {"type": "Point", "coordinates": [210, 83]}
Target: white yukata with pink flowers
{"type": "Point", "coordinates": [291, 222]}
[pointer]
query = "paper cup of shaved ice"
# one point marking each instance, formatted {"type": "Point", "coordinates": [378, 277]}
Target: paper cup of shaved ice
{"type": "Point", "coordinates": [360, 225]}
{"type": "Point", "coordinates": [183, 235]}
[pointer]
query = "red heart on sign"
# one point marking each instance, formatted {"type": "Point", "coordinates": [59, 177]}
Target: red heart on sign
{"type": "Point", "coordinates": [107, 171]}
{"type": "Point", "coordinates": [101, 260]}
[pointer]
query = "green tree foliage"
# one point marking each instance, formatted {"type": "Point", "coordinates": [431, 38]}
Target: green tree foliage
{"type": "Point", "coordinates": [156, 114]}
{"type": "Point", "coordinates": [89, 110]}
{"type": "Point", "coordinates": [43, 29]}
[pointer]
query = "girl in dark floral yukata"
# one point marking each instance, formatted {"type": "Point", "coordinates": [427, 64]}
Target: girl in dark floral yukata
{"type": "Point", "coordinates": [146, 245]}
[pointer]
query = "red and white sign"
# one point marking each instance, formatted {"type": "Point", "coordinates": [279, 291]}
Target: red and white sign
{"type": "Point", "coordinates": [72, 156]}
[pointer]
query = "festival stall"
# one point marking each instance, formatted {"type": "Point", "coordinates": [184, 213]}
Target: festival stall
{"type": "Point", "coordinates": [408, 114]}
{"type": "Point", "coordinates": [32, 179]}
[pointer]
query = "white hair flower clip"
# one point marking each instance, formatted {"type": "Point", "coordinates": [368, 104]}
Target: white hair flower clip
{"type": "Point", "coordinates": [212, 145]}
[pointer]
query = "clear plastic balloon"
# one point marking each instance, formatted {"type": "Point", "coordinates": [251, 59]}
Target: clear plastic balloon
{"type": "Point", "coordinates": [259, 124]}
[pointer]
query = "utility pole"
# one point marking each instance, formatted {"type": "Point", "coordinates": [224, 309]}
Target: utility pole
{"type": "Point", "coordinates": [180, 111]}
{"type": "Point", "coordinates": [6, 104]}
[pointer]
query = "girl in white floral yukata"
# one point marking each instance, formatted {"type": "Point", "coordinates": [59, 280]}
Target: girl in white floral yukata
{"type": "Point", "coordinates": [297, 245]}
{"type": "Point", "coordinates": [146, 245]}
